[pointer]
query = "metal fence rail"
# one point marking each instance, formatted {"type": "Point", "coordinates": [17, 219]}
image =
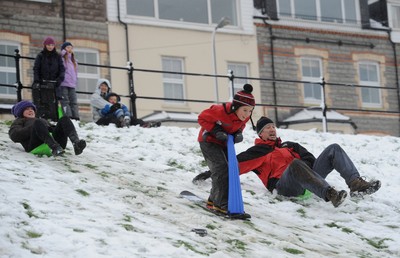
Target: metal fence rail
{"type": "Point", "coordinates": [231, 77]}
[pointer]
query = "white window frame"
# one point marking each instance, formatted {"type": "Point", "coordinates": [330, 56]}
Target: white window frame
{"type": "Point", "coordinates": [394, 21]}
{"type": "Point", "coordinates": [7, 69]}
{"type": "Point", "coordinates": [180, 81]}
{"type": "Point", "coordinates": [81, 75]}
{"type": "Point", "coordinates": [42, 1]}
{"type": "Point", "coordinates": [318, 12]}
{"type": "Point", "coordinates": [209, 14]}
{"type": "Point", "coordinates": [317, 80]}
{"type": "Point", "coordinates": [370, 83]}
{"type": "Point", "coordinates": [238, 83]}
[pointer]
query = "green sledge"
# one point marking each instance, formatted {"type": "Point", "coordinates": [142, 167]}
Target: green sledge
{"type": "Point", "coordinates": [44, 149]}
{"type": "Point", "coordinates": [41, 150]}
{"type": "Point", "coordinates": [305, 196]}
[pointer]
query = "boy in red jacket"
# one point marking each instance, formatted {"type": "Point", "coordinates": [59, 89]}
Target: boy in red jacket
{"type": "Point", "coordinates": [216, 123]}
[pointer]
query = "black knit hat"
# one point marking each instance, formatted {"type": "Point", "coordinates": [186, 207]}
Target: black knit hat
{"type": "Point", "coordinates": [65, 44]}
{"type": "Point", "coordinates": [262, 122]}
{"type": "Point", "coordinates": [113, 94]}
{"type": "Point", "coordinates": [243, 98]}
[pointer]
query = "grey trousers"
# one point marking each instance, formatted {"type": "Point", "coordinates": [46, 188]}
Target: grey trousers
{"type": "Point", "coordinates": [217, 161]}
{"type": "Point", "coordinates": [69, 102]}
{"type": "Point", "coordinates": [298, 176]}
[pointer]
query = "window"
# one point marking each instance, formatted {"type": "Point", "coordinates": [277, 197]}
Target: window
{"type": "Point", "coordinates": [87, 75]}
{"type": "Point", "coordinates": [369, 76]}
{"type": "Point", "coordinates": [395, 17]}
{"type": "Point", "coordinates": [239, 70]}
{"type": "Point", "coordinates": [7, 69]}
{"type": "Point", "coordinates": [194, 11]}
{"type": "Point", "coordinates": [173, 83]}
{"type": "Point", "coordinates": [337, 11]}
{"type": "Point", "coordinates": [311, 71]}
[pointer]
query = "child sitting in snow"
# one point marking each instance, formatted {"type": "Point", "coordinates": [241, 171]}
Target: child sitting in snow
{"type": "Point", "coordinates": [32, 132]}
{"type": "Point", "coordinates": [115, 112]}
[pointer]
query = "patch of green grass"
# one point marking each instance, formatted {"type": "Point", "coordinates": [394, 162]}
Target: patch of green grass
{"type": "Point", "coordinates": [203, 163]}
{"type": "Point", "coordinates": [188, 246]}
{"type": "Point", "coordinates": [251, 192]}
{"type": "Point", "coordinates": [78, 230]}
{"type": "Point", "coordinates": [29, 210]}
{"type": "Point", "coordinates": [378, 243]}
{"type": "Point", "coordinates": [32, 234]}
{"type": "Point", "coordinates": [82, 192]}
{"type": "Point", "coordinates": [174, 163]}
{"type": "Point", "coordinates": [210, 226]}
{"type": "Point", "coordinates": [302, 212]}
{"type": "Point", "coordinates": [347, 230]}
{"type": "Point", "coordinates": [238, 244]}
{"type": "Point", "coordinates": [293, 251]}
{"type": "Point", "coordinates": [91, 166]}
{"type": "Point", "coordinates": [159, 188]}
{"type": "Point", "coordinates": [127, 218]}
{"type": "Point", "coordinates": [103, 174]}
{"type": "Point", "coordinates": [332, 225]}
{"type": "Point", "coordinates": [128, 227]}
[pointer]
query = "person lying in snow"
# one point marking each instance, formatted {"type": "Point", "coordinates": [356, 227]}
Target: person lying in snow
{"type": "Point", "coordinates": [32, 132]}
{"type": "Point", "coordinates": [291, 169]}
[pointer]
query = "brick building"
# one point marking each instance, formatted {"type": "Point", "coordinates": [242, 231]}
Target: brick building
{"type": "Point", "coordinates": [24, 24]}
{"type": "Point", "coordinates": [339, 41]}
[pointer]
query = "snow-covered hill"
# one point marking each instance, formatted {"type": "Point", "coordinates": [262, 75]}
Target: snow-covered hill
{"type": "Point", "coordinates": [120, 198]}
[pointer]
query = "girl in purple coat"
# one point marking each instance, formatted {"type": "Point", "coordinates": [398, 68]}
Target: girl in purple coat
{"type": "Point", "coordinates": [69, 101]}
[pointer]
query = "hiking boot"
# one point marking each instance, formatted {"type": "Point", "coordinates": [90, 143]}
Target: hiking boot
{"type": "Point", "coordinates": [201, 177]}
{"type": "Point", "coordinates": [57, 151]}
{"type": "Point", "coordinates": [121, 121]}
{"type": "Point", "coordinates": [79, 146]}
{"type": "Point", "coordinates": [219, 210]}
{"type": "Point", "coordinates": [209, 203]}
{"type": "Point", "coordinates": [335, 197]}
{"type": "Point", "coordinates": [243, 216]}
{"type": "Point", "coordinates": [361, 187]}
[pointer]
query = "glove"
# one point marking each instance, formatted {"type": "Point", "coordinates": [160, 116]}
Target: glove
{"type": "Point", "coordinates": [115, 107]}
{"type": "Point", "coordinates": [238, 137]}
{"type": "Point", "coordinates": [222, 136]}
{"type": "Point", "coordinates": [219, 133]}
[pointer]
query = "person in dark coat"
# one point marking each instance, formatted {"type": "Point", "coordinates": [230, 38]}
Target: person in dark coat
{"type": "Point", "coordinates": [291, 169]}
{"type": "Point", "coordinates": [216, 123]}
{"type": "Point", "coordinates": [49, 66]}
{"type": "Point", "coordinates": [32, 132]}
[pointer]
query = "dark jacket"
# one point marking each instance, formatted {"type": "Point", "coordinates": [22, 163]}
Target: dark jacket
{"type": "Point", "coordinates": [21, 130]}
{"type": "Point", "coordinates": [49, 66]}
{"type": "Point", "coordinates": [269, 159]}
{"type": "Point", "coordinates": [219, 115]}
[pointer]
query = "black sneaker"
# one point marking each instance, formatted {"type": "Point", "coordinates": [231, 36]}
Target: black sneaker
{"type": "Point", "coordinates": [201, 177]}
{"type": "Point", "coordinates": [243, 216]}
{"type": "Point", "coordinates": [335, 197]}
{"type": "Point", "coordinates": [79, 146]}
{"type": "Point", "coordinates": [361, 187]}
{"type": "Point", "coordinates": [57, 151]}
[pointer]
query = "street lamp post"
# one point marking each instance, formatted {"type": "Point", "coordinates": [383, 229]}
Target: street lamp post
{"type": "Point", "coordinates": [223, 22]}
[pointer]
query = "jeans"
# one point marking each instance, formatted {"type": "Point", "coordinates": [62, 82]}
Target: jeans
{"type": "Point", "coordinates": [298, 176]}
{"type": "Point", "coordinates": [69, 102]}
{"type": "Point", "coordinates": [217, 161]}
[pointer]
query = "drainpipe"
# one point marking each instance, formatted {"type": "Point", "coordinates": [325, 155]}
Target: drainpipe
{"type": "Point", "coordinates": [126, 32]}
{"type": "Point", "coordinates": [396, 73]}
{"type": "Point", "coordinates": [272, 37]}
{"type": "Point", "coordinates": [63, 20]}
